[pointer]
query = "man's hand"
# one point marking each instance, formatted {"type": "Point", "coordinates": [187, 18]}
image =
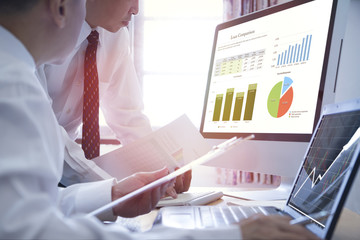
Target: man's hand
{"type": "Point", "coordinates": [144, 202]}
{"type": "Point", "coordinates": [182, 184]}
{"type": "Point", "coordinates": [273, 227]}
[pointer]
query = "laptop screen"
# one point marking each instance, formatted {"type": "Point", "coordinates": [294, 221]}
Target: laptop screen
{"type": "Point", "coordinates": [321, 181]}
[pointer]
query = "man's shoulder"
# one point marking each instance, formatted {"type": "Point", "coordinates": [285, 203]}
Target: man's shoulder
{"type": "Point", "coordinates": [14, 69]}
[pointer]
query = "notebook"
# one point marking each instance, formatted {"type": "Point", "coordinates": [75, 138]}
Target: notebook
{"type": "Point", "coordinates": [321, 186]}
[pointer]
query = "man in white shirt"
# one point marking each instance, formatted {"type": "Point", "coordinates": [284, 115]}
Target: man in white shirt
{"type": "Point", "coordinates": [120, 91]}
{"type": "Point", "coordinates": [34, 32]}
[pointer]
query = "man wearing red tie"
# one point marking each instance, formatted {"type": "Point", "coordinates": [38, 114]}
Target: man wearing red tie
{"type": "Point", "coordinates": [99, 74]}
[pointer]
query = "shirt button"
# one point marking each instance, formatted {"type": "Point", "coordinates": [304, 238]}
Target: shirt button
{"type": "Point", "coordinates": [68, 111]}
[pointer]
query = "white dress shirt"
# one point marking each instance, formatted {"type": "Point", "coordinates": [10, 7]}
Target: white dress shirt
{"type": "Point", "coordinates": [120, 96]}
{"type": "Point", "coordinates": [120, 91]}
{"type": "Point", "coordinates": [31, 161]}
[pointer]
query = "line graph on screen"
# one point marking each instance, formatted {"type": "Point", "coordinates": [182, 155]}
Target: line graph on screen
{"type": "Point", "coordinates": [337, 168]}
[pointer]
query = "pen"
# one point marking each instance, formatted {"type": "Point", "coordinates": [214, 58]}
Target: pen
{"type": "Point", "coordinates": [227, 142]}
{"type": "Point", "coordinates": [304, 220]}
{"type": "Point", "coordinates": [231, 142]}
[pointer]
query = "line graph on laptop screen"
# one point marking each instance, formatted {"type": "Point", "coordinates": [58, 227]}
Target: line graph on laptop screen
{"type": "Point", "coordinates": [326, 164]}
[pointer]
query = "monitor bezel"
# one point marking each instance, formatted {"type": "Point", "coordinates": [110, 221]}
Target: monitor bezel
{"type": "Point", "coordinates": [270, 136]}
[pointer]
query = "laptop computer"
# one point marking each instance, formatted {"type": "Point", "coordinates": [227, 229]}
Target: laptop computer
{"type": "Point", "coordinates": [321, 185]}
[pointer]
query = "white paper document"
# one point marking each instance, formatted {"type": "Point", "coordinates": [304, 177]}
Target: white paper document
{"type": "Point", "coordinates": [215, 152]}
{"type": "Point", "coordinates": [173, 145]}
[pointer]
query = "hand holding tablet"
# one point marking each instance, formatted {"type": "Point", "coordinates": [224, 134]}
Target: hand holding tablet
{"type": "Point", "coordinates": [216, 151]}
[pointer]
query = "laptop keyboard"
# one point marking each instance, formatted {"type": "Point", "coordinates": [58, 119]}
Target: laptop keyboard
{"type": "Point", "coordinates": [218, 216]}
{"type": "Point", "coordinates": [209, 216]}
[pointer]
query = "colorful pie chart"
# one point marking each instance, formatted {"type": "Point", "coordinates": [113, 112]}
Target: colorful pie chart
{"type": "Point", "coordinates": [280, 98]}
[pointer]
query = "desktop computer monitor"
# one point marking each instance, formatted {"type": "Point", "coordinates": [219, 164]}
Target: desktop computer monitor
{"type": "Point", "coordinates": [270, 74]}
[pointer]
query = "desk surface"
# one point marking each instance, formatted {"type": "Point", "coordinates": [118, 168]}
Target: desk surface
{"type": "Point", "coordinates": [348, 226]}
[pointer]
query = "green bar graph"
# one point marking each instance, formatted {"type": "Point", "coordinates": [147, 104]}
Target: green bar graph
{"type": "Point", "coordinates": [217, 108]}
{"type": "Point", "coordinates": [228, 104]}
{"type": "Point", "coordinates": [250, 101]}
{"type": "Point", "coordinates": [239, 99]}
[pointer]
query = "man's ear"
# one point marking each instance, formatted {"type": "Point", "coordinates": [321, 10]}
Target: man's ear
{"type": "Point", "coordinates": [58, 11]}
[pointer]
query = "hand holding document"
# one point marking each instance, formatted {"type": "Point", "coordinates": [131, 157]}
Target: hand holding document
{"type": "Point", "coordinates": [173, 145]}
{"type": "Point", "coordinates": [144, 202]}
{"type": "Point", "coordinates": [213, 153]}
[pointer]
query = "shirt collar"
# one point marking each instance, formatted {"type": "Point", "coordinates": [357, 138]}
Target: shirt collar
{"type": "Point", "coordinates": [86, 30]}
{"type": "Point", "coordinates": [14, 47]}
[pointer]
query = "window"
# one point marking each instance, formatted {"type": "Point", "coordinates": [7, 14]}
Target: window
{"type": "Point", "coordinates": [172, 49]}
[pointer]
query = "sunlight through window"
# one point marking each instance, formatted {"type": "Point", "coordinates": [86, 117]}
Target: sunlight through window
{"type": "Point", "coordinates": [173, 41]}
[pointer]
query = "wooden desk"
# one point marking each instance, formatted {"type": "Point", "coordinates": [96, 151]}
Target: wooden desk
{"type": "Point", "coordinates": [348, 226]}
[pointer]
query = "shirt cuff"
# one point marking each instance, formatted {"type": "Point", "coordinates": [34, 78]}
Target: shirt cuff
{"type": "Point", "coordinates": [92, 196]}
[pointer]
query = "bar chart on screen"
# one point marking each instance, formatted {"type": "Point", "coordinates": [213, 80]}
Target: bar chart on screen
{"type": "Point", "coordinates": [292, 50]}
{"type": "Point", "coordinates": [231, 109]}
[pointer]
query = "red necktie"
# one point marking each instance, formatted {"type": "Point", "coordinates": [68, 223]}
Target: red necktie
{"type": "Point", "coordinates": [90, 130]}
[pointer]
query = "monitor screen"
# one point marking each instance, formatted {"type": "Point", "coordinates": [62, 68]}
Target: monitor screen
{"type": "Point", "coordinates": [267, 73]}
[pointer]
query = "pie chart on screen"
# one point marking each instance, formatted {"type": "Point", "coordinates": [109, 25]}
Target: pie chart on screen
{"type": "Point", "coordinates": [280, 98]}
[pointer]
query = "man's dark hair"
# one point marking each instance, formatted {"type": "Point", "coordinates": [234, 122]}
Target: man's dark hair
{"type": "Point", "coordinates": [9, 7]}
